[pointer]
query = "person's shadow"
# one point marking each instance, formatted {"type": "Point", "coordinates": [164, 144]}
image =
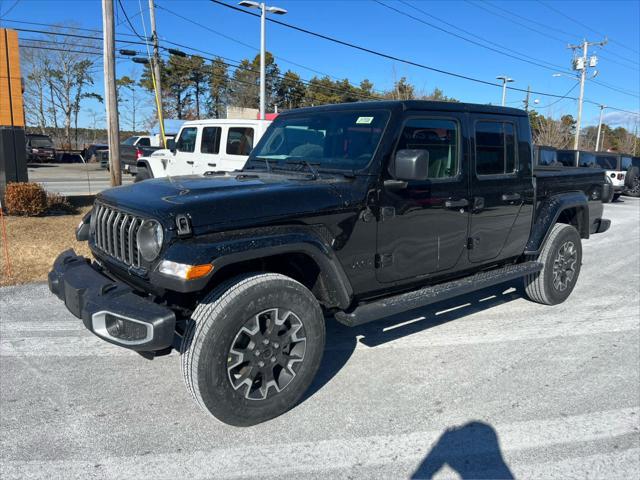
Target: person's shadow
{"type": "Point", "coordinates": [472, 450]}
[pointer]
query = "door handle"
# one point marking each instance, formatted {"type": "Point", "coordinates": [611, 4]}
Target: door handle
{"type": "Point", "coordinates": [211, 164]}
{"type": "Point", "coordinates": [510, 197]}
{"type": "Point", "coordinates": [190, 162]}
{"type": "Point", "coordinates": [463, 202]}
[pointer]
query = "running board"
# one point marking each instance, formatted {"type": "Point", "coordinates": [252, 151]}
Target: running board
{"type": "Point", "coordinates": [386, 307]}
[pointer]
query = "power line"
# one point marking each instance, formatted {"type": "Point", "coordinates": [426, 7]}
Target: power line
{"type": "Point", "coordinates": [584, 25]}
{"type": "Point", "coordinates": [499, 13]}
{"type": "Point", "coordinates": [15, 4]}
{"type": "Point", "coordinates": [382, 54]}
{"type": "Point", "coordinates": [553, 68]}
{"type": "Point", "coordinates": [240, 42]}
{"type": "Point", "coordinates": [133, 30]}
{"type": "Point", "coordinates": [564, 97]}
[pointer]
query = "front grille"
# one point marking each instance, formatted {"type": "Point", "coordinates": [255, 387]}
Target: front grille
{"type": "Point", "coordinates": [115, 234]}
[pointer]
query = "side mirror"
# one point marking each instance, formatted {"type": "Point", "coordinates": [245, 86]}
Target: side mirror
{"type": "Point", "coordinates": [171, 145]}
{"type": "Point", "coordinates": [411, 165]}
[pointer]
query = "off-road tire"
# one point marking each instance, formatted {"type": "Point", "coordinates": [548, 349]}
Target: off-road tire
{"type": "Point", "coordinates": [213, 329]}
{"type": "Point", "coordinates": [142, 174]}
{"type": "Point", "coordinates": [632, 182]}
{"type": "Point", "coordinates": [540, 287]}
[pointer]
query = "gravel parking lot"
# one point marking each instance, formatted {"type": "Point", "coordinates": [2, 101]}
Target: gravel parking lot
{"type": "Point", "coordinates": [487, 386]}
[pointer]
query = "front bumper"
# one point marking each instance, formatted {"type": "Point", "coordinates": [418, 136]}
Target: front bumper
{"type": "Point", "coordinates": [109, 308]}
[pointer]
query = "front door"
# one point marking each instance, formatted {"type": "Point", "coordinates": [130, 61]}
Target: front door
{"type": "Point", "coordinates": [181, 162]}
{"type": "Point", "coordinates": [502, 190]}
{"type": "Point", "coordinates": [422, 228]}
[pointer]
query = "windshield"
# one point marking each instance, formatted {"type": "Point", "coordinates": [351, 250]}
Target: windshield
{"type": "Point", "coordinates": [130, 140]}
{"type": "Point", "coordinates": [41, 142]}
{"type": "Point", "coordinates": [344, 140]}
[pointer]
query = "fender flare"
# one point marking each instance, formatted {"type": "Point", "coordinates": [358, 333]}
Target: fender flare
{"type": "Point", "coordinates": [153, 165]}
{"type": "Point", "coordinates": [224, 250]}
{"type": "Point", "coordinates": [547, 216]}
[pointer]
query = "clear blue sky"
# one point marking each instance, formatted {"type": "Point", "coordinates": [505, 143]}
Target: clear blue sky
{"type": "Point", "coordinates": [538, 30]}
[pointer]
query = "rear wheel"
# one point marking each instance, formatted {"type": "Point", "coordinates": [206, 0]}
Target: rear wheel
{"type": "Point", "coordinates": [253, 348]}
{"type": "Point", "coordinates": [561, 259]}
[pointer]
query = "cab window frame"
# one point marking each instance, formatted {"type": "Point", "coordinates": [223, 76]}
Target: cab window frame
{"type": "Point", "coordinates": [195, 140]}
{"type": "Point", "coordinates": [516, 160]}
{"type": "Point", "coordinates": [253, 137]}
{"type": "Point", "coordinates": [218, 138]}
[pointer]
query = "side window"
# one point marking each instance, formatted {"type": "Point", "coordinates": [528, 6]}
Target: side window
{"type": "Point", "coordinates": [210, 140]}
{"type": "Point", "coordinates": [607, 162]}
{"type": "Point", "coordinates": [495, 148]}
{"type": "Point", "coordinates": [187, 140]}
{"type": "Point", "coordinates": [144, 142]}
{"type": "Point", "coordinates": [625, 163]}
{"type": "Point", "coordinates": [240, 141]}
{"type": "Point", "coordinates": [547, 157]}
{"type": "Point", "coordinates": [587, 160]}
{"type": "Point", "coordinates": [440, 138]}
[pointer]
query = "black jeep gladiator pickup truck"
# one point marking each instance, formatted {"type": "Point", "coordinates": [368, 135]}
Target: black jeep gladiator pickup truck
{"type": "Point", "coordinates": [354, 211]}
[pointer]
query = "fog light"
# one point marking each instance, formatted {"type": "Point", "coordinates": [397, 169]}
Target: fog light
{"type": "Point", "coordinates": [184, 271]}
{"type": "Point", "coordinates": [123, 329]}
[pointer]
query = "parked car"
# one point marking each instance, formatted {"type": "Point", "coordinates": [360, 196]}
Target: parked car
{"type": "Point", "coordinates": [357, 211]}
{"type": "Point", "coordinates": [203, 146]}
{"type": "Point", "coordinates": [632, 175]}
{"type": "Point", "coordinates": [40, 148]}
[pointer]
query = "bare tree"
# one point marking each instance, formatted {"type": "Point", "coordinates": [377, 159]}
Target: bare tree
{"type": "Point", "coordinates": [57, 81]}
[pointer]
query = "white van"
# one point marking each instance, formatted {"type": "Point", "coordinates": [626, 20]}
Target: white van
{"type": "Point", "coordinates": [204, 146]}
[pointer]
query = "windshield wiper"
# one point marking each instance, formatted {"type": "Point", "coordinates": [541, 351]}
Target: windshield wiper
{"type": "Point", "coordinates": [266, 162]}
{"type": "Point", "coordinates": [313, 171]}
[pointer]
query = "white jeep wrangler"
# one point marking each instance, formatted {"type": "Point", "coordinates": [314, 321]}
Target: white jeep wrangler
{"type": "Point", "coordinates": [204, 146]}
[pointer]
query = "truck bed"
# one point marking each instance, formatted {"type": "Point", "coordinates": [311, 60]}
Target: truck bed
{"type": "Point", "coordinates": [551, 180]}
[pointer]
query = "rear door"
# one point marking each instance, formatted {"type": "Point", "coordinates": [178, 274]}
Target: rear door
{"type": "Point", "coordinates": [237, 144]}
{"type": "Point", "coordinates": [422, 228]}
{"type": "Point", "coordinates": [501, 184]}
{"type": "Point", "coordinates": [209, 158]}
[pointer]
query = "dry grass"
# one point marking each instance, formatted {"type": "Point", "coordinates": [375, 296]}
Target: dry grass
{"type": "Point", "coordinates": [35, 242]}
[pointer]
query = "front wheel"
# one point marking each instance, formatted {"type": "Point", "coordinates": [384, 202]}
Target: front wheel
{"type": "Point", "coordinates": [141, 174]}
{"type": "Point", "coordinates": [561, 259]}
{"type": "Point", "coordinates": [252, 348]}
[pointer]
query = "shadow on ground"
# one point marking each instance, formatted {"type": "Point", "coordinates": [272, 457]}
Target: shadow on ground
{"type": "Point", "coordinates": [471, 450]}
{"type": "Point", "coordinates": [341, 340]}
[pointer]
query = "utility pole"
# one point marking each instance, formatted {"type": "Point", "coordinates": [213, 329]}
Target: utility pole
{"type": "Point", "coordinates": [582, 63]}
{"type": "Point", "coordinates": [526, 99]}
{"type": "Point", "coordinates": [602, 107]}
{"type": "Point", "coordinates": [156, 71]}
{"type": "Point", "coordinates": [110, 93]}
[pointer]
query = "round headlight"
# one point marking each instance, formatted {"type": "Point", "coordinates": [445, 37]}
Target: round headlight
{"type": "Point", "coordinates": [149, 239]}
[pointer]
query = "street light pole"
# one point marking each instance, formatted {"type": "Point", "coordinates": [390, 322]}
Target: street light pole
{"type": "Point", "coordinates": [505, 80]}
{"type": "Point", "coordinates": [263, 75]}
{"type": "Point", "coordinates": [602, 107]}
{"type": "Point", "coordinates": [264, 8]}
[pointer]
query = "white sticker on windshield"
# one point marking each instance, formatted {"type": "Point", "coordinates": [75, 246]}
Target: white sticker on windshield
{"type": "Point", "coordinates": [364, 120]}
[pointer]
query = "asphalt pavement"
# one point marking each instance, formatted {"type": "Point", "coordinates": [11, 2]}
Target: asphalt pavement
{"type": "Point", "coordinates": [72, 178]}
{"type": "Point", "coordinates": [487, 386]}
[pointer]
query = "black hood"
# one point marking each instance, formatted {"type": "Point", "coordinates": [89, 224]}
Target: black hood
{"type": "Point", "coordinates": [232, 200]}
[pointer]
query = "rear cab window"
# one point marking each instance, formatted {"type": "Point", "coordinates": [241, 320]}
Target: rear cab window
{"type": "Point", "coordinates": [587, 160]}
{"type": "Point", "coordinates": [495, 148]}
{"type": "Point", "coordinates": [239, 141]}
{"type": "Point", "coordinates": [608, 162]}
